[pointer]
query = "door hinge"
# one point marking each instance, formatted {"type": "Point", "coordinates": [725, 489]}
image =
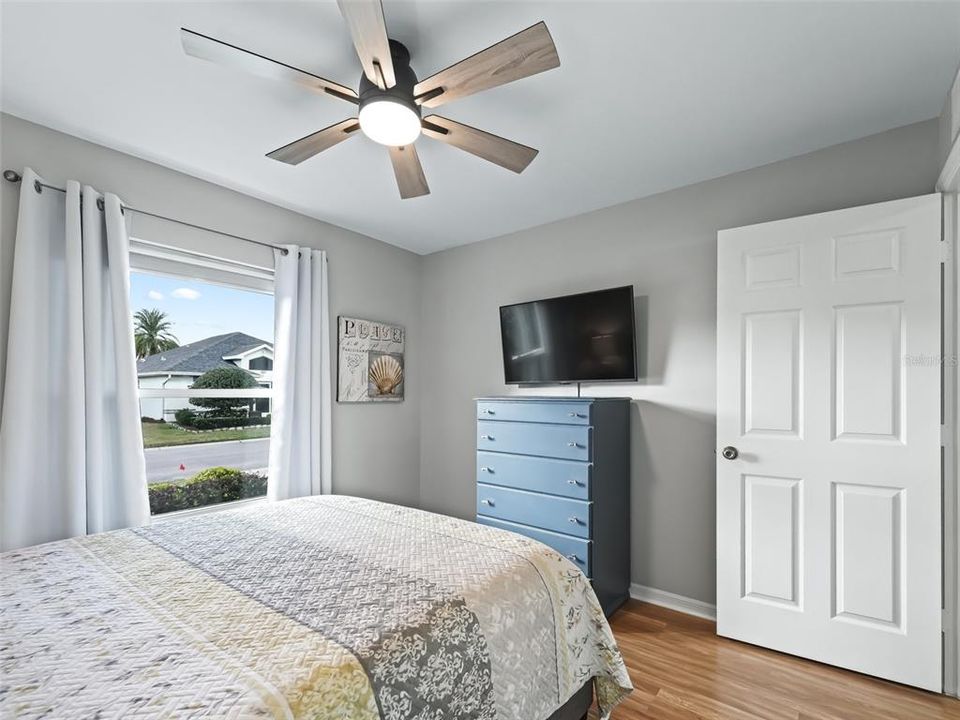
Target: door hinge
{"type": "Point", "coordinates": [944, 251]}
{"type": "Point", "coordinates": [946, 436]}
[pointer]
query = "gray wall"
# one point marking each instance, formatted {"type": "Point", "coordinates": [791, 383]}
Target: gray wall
{"type": "Point", "coordinates": [422, 450]}
{"type": "Point", "coordinates": [950, 120]}
{"type": "Point", "coordinates": [665, 246]}
{"type": "Point", "coordinates": [376, 449]}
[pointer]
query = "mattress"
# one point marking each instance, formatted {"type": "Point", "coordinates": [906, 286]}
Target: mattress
{"type": "Point", "coordinates": [320, 607]}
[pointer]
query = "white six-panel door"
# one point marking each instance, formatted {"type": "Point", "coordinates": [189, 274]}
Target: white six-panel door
{"type": "Point", "coordinates": [828, 518]}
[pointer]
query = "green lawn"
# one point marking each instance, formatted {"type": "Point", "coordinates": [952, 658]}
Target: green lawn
{"type": "Point", "coordinates": [163, 434]}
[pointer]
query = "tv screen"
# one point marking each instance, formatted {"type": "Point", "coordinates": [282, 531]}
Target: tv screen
{"type": "Point", "coordinates": [576, 338]}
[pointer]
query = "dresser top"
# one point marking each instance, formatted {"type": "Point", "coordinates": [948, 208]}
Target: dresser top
{"type": "Point", "coordinates": [551, 398]}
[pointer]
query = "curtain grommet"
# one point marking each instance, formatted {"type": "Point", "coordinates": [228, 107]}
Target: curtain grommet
{"type": "Point", "coordinates": [37, 186]}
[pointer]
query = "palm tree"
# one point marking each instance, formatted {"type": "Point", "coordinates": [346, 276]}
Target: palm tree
{"type": "Point", "coordinates": [151, 333]}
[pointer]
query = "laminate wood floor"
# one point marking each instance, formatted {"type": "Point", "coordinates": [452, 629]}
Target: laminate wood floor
{"type": "Point", "coordinates": [681, 670]}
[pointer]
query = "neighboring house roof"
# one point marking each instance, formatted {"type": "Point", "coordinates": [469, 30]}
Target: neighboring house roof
{"type": "Point", "coordinates": [200, 356]}
{"type": "Point", "coordinates": [251, 350]}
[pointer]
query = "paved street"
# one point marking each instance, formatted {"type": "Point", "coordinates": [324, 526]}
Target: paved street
{"type": "Point", "coordinates": [163, 463]}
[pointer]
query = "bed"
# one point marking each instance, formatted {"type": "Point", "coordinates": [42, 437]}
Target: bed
{"type": "Point", "coordinates": [320, 607]}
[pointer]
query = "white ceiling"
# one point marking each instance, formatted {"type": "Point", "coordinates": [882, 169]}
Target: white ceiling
{"type": "Point", "coordinates": [649, 96]}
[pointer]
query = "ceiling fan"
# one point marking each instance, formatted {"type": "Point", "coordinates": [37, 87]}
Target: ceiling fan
{"type": "Point", "coordinates": [390, 95]}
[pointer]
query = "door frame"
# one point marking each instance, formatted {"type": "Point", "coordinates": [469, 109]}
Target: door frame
{"type": "Point", "coordinates": [949, 185]}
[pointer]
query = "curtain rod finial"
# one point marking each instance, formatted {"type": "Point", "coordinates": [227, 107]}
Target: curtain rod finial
{"type": "Point", "coordinates": [11, 176]}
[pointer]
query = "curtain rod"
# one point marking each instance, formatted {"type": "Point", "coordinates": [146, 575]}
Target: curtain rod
{"type": "Point", "coordinates": [15, 177]}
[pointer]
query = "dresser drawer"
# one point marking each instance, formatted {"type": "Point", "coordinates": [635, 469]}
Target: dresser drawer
{"type": "Point", "coordinates": [557, 441]}
{"type": "Point", "coordinates": [567, 413]}
{"type": "Point", "coordinates": [575, 550]}
{"type": "Point", "coordinates": [563, 515]}
{"type": "Point", "coordinates": [569, 478]}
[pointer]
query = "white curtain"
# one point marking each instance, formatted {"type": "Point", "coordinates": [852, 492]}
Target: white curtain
{"type": "Point", "coordinates": [71, 451]}
{"type": "Point", "coordinates": [300, 434]}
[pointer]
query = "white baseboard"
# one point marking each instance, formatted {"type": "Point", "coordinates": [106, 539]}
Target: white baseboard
{"type": "Point", "coordinates": [672, 601]}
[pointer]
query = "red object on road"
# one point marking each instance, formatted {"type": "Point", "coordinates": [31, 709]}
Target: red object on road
{"type": "Point", "coordinates": [182, 466]}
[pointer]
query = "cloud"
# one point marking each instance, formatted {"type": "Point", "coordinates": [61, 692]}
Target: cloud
{"type": "Point", "coordinates": [185, 294]}
{"type": "Point", "coordinates": [155, 295]}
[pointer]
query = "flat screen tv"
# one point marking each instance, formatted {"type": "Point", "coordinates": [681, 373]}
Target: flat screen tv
{"type": "Point", "coordinates": [575, 338]}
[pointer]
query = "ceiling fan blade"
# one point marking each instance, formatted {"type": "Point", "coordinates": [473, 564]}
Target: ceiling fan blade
{"type": "Point", "coordinates": [529, 52]}
{"type": "Point", "coordinates": [314, 143]}
{"type": "Point", "coordinates": [369, 33]}
{"type": "Point", "coordinates": [208, 48]}
{"type": "Point", "coordinates": [409, 171]}
{"type": "Point", "coordinates": [500, 151]}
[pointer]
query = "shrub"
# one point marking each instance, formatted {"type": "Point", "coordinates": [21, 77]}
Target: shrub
{"type": "Point", "coordinates": [185, 417]}
{"type": "Point", "coordinates": [229, 378]}
{"type": "Point", "coordinates": [217, 473]}
{"type": "Point", "coordinates": [203, 422]}
{"type": "Point", "coordinates": [146, 419]}
{"type": "Point", "coordinates": [207, 487]}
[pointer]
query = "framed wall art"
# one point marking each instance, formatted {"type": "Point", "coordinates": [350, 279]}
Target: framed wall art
{"type": "Point", "coordinates": [369, 361]}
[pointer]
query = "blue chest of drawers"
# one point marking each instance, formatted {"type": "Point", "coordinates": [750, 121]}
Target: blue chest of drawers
{"type": "Point", "coordinates": [558, 470]}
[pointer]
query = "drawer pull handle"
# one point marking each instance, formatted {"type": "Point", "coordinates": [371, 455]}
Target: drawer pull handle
{"type": "Point", "coordinates": [486, 502]}
{"type": "Point", "coordinates": [486, 437]}
{"type": "Point", "coordinates": [574, 558]}
{"type": "Point", "coordinates": [574, 445]}
{"type": "Point", "coordinates": [574, 482]}
{"type": "Point", "coordinates": [487, 412]}
{"type": "Point", "coordinates": [574, 414]}
{"type": "Point", "coordinates": [573, 520]}
{"type": "Point", "coordinates": [485, 469]}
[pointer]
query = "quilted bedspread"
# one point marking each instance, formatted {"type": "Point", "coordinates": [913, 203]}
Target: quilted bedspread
{"type": "Point", "coordinates": [321, 607]}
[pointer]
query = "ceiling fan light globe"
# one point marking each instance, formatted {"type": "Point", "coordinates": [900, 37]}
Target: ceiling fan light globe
{"type": "Point", "coordinates": [389, 123]}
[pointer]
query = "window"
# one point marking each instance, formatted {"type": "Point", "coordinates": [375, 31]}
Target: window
{"type": "Point", "coordinates": [203, 329]}
{"type": "Point", "coordinates": [261, 363]}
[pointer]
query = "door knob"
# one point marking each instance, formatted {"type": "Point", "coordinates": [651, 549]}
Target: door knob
{"type": "Point", "coordinates": [730, 452]}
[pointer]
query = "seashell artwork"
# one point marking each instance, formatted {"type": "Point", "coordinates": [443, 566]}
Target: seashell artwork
{"type": "Point", "coordinates": [386, 373]}
{"type": "Point", "coordinates": [370, 355]}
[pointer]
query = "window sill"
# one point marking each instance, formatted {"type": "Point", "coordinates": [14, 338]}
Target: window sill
{"type": "Point", "coordinates": [219, 507]}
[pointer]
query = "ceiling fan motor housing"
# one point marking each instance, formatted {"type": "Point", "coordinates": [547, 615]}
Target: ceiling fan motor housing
{"type": "Point", "coordinates": [406, 78]}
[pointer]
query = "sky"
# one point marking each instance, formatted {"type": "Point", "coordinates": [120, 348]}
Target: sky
{"type": "Point", "coordinates": [199, 310]}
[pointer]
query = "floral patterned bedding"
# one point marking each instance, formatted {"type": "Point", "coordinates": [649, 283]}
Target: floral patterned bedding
{"type": "Point", "coordinates": [320, 607]}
